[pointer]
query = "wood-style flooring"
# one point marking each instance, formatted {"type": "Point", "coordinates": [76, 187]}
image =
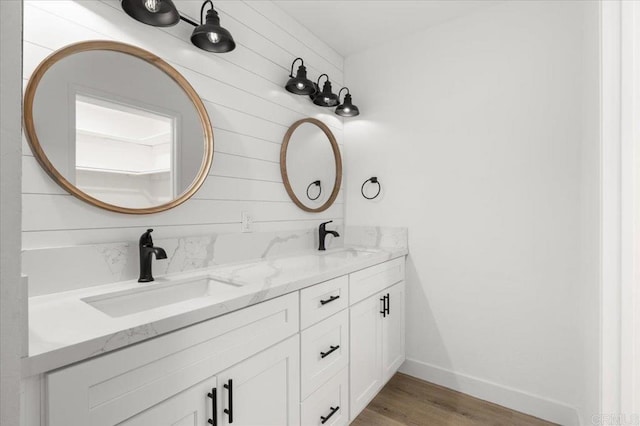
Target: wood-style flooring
{"type": "Point", "coordinates": [406, 400]}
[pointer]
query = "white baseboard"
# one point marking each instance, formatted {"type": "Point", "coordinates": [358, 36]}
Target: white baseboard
{"type": "Point", "coordinates": [514, 399]}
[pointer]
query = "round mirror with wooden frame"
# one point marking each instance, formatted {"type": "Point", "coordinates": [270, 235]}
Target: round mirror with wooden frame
{"type": "Point", "coordinates": [311, 165]}
{"type": "Point", "coordinates": [118, 127]}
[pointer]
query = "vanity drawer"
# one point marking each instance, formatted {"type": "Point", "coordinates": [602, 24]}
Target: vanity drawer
{"type": "Point", "coordinates": [117, 386]}
{"type": "Point", "coordinates": [366, 282]}
{"type": "Point", "coordinates": [323, 300]}
{"type": "Point", "coordinates": [332, 397]}
{"type": "Point", "coordinates": [324, 351]}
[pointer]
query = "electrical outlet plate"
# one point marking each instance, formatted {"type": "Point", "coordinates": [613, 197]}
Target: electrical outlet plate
{"type": "Point", "coordinates": [246, 222]}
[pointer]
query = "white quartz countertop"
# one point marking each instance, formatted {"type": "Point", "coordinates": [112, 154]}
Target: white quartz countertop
{"type": "Point", "coordinates": [64, 328]}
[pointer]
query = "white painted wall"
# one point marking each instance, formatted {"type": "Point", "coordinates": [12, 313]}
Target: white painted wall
{"type": "Point", "coordinates": [587, 292]}
{"type": "Point", "coordinates": [11, 314]}
{"type": "Point", "coordinates": [244, 95]}
{"type": "Point", "coordinates": [478, 132]}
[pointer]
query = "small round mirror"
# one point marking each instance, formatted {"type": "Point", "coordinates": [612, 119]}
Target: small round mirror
{"type": "Point", "coordinates": [118, 127]}
{"type": "Point", "coordinates": [311, 165]}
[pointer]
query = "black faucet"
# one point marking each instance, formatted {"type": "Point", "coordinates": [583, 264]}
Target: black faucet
{"type": "Point", "coordinates": [146, 251]}
{"type": "Point", "coordinates": [322, 234]}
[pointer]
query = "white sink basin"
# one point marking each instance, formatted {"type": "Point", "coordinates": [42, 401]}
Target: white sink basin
{"type": "Point", "coordinates": [155, 295]}
{"type": "Point", "coordinates": [348, 253]}
{"type": "Point", "coordinates": [273, 271]}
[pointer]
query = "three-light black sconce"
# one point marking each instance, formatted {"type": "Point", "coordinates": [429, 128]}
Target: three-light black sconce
{"type": "Point", "coordinates": [301, 85]}
{"type": "Point", "coordinates": [208, 34]}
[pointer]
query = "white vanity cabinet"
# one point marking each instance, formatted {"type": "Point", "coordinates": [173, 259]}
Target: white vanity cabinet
{"type": "Point", "coordinates": [180, 369]}
{"type": "Point", "coordinates": [316, 356]}
{"type": "Point", "coordinates": [377, 330]}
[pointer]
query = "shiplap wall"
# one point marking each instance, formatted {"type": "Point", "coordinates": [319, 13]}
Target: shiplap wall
{"type": "Point", "coordinates": [243, 93]}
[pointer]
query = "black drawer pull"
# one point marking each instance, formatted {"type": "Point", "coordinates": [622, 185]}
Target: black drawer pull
{"type": "Point", "coordinates": [229, 412]}
{"type": "Point", "coordinates": [334, 410]}
{"type": "Point", "coordinates": [333, 348]}
{"type": "Point", "coordinates": [383, 299]}
{"type": "Point", "coordinates": [329, 300]}
{"type": "Point", "coordinates": [214, 407]}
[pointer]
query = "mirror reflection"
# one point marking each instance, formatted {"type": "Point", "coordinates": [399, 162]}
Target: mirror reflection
{"type": "Point", "coordinates": [312, 168]}
{"type": "Point", "coordinates": [123, 155]}
{"type": "Point", "coordinates": [118, 128]}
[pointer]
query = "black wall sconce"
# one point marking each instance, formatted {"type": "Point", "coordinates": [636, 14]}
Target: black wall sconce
{"type": "Point", "coordinates": [300, 84]}
{"type": "Point", "coordinates": [346, 109]}
{"type": "Point", "coordinates": [325, 98]}
{"type": "Point", "coordinates": [159, 13]}
{"type": "Point", "coordinates": [372, 179]}
{"type": "Point", "coordinates": [208, 34]}
{"type": "Point", "coordinates": [316, 183]}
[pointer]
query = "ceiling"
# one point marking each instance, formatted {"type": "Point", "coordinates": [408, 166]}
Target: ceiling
{"type": "Point", "coordinates": [350, 26]}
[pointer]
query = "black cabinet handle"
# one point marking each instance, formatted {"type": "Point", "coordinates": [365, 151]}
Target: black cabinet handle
{"type": "Point", "coordinates": [329, 300]}
{"type": "Point", "coordinates": [229, 411]}
{"type": "Point", "coordinates": [383, 299]}
{"type": "Point", "coordinates": [334, 410]}
{"type": "Point", "coordinates": [388, 308]}
{"type": "Point", "coordinates": [214, 407]}
{"type": "Point", "coordinates": [332, 349]}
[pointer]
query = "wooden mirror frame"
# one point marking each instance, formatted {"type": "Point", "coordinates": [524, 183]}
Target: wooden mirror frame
{"type": "Point", "coordinates": [336, 156]}
{"type": "Point", "coordinates": [38, 151]}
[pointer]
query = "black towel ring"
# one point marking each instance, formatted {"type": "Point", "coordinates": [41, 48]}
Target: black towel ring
{"type": "Point", "coordinates": [317, 183]}
{"type": "Point", "coordinates": [372, 180]}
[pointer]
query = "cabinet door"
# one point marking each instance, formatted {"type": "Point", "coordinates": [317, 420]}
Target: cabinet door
{"type": "Point", "coordinates": [393, 353]}
{"type": "Point", "coordinates": [263, 390]}
{"type": "Point", "coordinates": [365, 349]}
{"type": "Point", "coordinates": [191, 407]}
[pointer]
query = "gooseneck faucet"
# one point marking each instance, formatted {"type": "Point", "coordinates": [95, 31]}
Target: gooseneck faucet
{"type": "Point", "coordinates": [147, 250]}
{"type": "Point", "coordinates": [322, 234]}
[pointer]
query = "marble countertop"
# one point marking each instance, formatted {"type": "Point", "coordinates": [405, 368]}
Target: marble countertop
{"type": "Point", "coordinates": [64, 329]}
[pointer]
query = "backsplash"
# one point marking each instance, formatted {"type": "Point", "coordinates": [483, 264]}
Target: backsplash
{"type": "Point", "coordinates": [52, 270]}
{"type": "Point", "coordinates": [243, 92]}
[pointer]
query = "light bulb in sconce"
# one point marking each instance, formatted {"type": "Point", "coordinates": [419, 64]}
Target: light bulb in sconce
{"type": "Point", "coordinates": [213, 37]}
{"type": "Point", "coordinates": [152, 5]}
{"type": "Point", "coordinates": [300, 86]}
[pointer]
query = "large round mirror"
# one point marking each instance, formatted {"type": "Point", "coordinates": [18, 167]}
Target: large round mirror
{"type": "Point", "coordinates": [118, 127]}
{"type": "Point", "coordinates": [311, 165]}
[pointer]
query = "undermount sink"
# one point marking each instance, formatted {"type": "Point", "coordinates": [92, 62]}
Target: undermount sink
{"type": "Point", "coordinates": [289, 267]}
{"type": "Point", "coordinates": [350, 253]}
{"type": "Point", "coordinates": [155, 295]}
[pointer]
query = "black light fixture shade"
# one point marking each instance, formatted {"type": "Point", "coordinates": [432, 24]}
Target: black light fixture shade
{"type": "Point", "coordinates": [325, 98]}
{"type": "Point", "coordinates": [300, 84]}
{"type": "Point", "coordinates": [159, 13]}
{"type": "Point", "coordinates": [210, 36]}
{"type": "Point", "coordinates": [347, 109]}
